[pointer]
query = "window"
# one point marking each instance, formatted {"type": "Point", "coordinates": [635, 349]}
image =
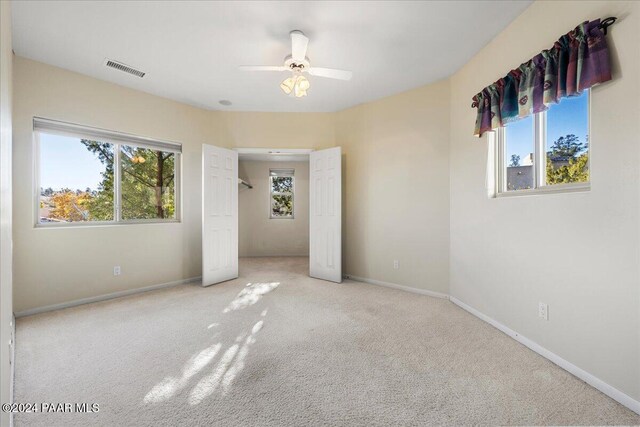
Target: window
{"type": "Point", "coordinates": [282, 189]}
{"type": "Point", "coordinates": [147, 183]}
{"type": "Point", "coordinates": [519, 149]}
{"type": "Point", "coordinates": [93, 176]}
{"type": "Point", "coordinates": [548, 151]}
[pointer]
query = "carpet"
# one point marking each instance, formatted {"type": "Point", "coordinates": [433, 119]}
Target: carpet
{"type": "Point", "coordinates": [276, 347]}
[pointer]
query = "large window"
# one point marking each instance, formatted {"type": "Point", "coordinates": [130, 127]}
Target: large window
{"type": "Point", "coordinates": [92, 176]}
{"type": "Point", "coordinates": [548, 151]}
{"type": "Point", "coordinates": [281, 193]}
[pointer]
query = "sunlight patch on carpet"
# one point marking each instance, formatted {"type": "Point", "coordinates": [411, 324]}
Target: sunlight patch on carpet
{"type": "Point", "coordinates": [250, 295]}
{"type": "Point", "coordinates": [169, 386]}
{"type": "Point", "coordinates": [227, 369]}
{"type": "Point", "coordinates": [238, 363]}
{"type": "Point", "coordinates": [209, 383]}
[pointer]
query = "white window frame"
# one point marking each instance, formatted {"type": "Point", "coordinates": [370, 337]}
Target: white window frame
{"type": "Point", "coordinates": [539, 161]}
{"type": "Point", "coordinates": [117, 139]}
{"type": "Point", "coordinates": [277, 193]}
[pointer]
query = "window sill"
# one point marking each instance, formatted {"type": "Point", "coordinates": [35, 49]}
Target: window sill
{"type": "Point", "coordinates": [66, 225]}
{"type": "Point", "coordinates": [555, 189]}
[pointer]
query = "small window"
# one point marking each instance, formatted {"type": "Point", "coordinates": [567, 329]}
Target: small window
{"type": "Point", "coordinates": [547, 151]}
{"type": "Point", "coordinates": [91, 176]}
{"type": "Point", "coordinates": [282, 190]}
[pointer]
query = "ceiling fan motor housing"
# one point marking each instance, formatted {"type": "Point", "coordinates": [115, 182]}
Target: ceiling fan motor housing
{"type": "Point", "coordinates": [294, 65]}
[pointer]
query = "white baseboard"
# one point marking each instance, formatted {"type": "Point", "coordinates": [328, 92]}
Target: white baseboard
{"type": "Point", "coordinates": [396, 286]}
{"type": "Point", "coordinates": [585, 376]}
{"type": "Point", "coordinates": [105, 297]}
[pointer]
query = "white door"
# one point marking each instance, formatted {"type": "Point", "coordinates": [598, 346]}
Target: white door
{"type": "Point", "coordinates": [325, 208]}
{"type": "Point", "coordinates": [219, 215]}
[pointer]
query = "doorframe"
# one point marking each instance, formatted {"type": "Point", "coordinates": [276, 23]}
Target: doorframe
{"type": "Point", "coordinates": [278, 154]}
{"type": "Point", "coordinates": [284, 155]}
{"type": "Point", "coordinates": [258, 150]}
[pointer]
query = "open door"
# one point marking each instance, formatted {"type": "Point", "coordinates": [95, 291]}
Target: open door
{"type": "Point", "coordinates": [325, 208]}
{"type": "Point", "coordinates": [219, 215]}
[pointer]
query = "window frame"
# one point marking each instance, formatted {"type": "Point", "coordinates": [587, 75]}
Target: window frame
{"type": "Point", "coordinates": [539, 161]}
{"type": "Point", "coordinates": [117, 139]}
{"type": "Point", "coordinates": [293, 194]}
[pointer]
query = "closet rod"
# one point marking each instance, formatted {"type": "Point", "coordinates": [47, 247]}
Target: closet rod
{"type": "Point", "coordinates": [240, 181]}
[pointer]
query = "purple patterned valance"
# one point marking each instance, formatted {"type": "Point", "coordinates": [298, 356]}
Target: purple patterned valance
{"type": "Point", "coordinates": [577, 61]}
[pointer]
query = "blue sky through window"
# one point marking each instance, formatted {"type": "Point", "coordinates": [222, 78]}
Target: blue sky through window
{"type": "Point", "coordinates": [569, 116]}
{"type": "Point", "coordinates": [519, 139]}
{"type": "Point", "coordinates": [66, 163]}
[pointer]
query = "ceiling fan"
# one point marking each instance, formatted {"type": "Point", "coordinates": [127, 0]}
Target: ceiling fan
{"type": "Point", "coordinates": [298, 63]}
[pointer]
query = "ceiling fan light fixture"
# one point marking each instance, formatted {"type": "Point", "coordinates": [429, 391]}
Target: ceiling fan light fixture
{"type": "Point", "coordinates": [303, 83]}
{"type": "Point", "coordinates": [296, 85]}
{"type": "Point", "coordinates": [298, 63]}
{"type": "Point", "coordinates": [288, 85]}
{"type": "Point", "coordinates": [301, 86]}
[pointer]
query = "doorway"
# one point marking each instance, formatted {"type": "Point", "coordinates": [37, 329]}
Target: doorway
{"type": "Point", "coordinates": [287, 202]}
{"type": "Point", "coordinates": [273, 208]}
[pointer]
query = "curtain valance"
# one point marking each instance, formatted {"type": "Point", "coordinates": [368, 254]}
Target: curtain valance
{"type": "Point", "coordinates": [577, 61]}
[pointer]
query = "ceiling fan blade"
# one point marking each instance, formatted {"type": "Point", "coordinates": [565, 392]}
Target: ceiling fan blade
{"type": "Point", "coordinates": [299, 43]}
{"type": "Point", "coordinates": [262, 68]}
{"type": "Point", "coordinates": [330, 73]}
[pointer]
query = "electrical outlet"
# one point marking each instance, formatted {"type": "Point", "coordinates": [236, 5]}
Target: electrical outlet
{"type": "Point", "coordinates": [116, 270]}
{"type": "Point", "coordinates": [543, 311]}
{"type": "Point", "coordinates": [396, 264]}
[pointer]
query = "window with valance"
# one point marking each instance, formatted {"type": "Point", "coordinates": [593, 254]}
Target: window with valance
{"type": "Point", "coordinates": [577, 61]}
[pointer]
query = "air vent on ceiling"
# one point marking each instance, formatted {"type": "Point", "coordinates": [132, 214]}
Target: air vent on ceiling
{"type": "Point", "coordinates": [123, 67]}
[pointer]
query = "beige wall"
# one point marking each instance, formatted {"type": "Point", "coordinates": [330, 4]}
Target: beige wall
{"type": "Point", "coordinates": [396, 189]}
{"type": "Point", "coordinates": [258, 234]}
{"type": "Point", "coordinates": [275, 130]}
{"type": "Point", "coordinates": [56, 265]}
{"type": "Point", "coordinates": [6, 298]}
{"type": "Point", "coordinates": [153, 254]}
{"type": "Point", "coordinates": [577, 252]}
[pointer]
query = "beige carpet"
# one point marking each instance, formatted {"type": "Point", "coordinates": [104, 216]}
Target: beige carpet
{"type": "Point", "coordinates": [290, 350]}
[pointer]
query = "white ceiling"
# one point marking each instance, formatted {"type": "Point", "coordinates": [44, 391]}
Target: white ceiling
{"type": "Point", "coordinates": [191, 50]}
